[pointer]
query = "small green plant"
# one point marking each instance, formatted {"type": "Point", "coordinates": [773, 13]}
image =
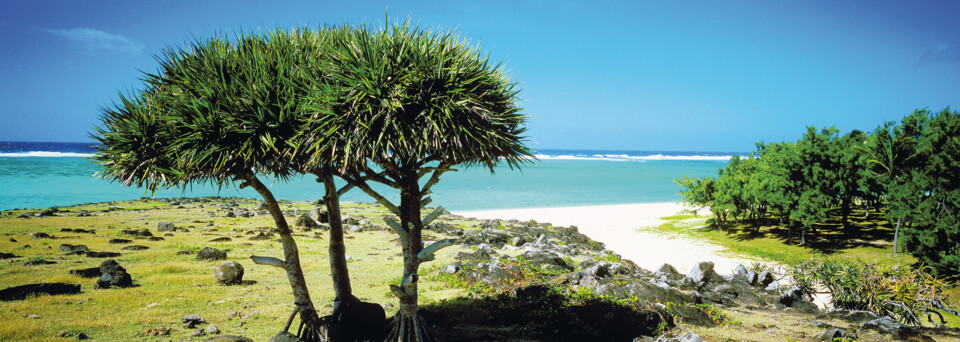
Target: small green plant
{"type": "Point", "coordinates": [609, 257]}
{"type": "Point", "coordinates": [717, 315]}
{"type": "Point", "coordinates": [37, 259]}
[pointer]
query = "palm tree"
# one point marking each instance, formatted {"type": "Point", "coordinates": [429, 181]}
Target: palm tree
{"type": "Point", "coordinates": [221, 112]}
{"type": "Point", "coordinates": [404, 106]}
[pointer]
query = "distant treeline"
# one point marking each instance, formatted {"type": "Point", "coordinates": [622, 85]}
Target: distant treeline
{"type": "Point", "coordinates": [907, 171]}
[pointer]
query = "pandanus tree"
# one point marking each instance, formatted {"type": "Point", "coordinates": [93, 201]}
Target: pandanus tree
{"type": "Point", "coordinates": [406, 106]}
{"type": "Point", "coordinates": [223, 112]}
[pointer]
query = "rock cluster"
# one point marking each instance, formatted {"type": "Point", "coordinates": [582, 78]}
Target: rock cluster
{"type": "Point", "coordinates": [576, 261]}
{"type": "Point", "coordinates": [555, 249]}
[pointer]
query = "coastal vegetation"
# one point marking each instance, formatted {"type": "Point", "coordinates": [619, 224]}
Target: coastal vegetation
{"type": "Point", "coordinates": [903, 176]}
{"type": "Point", "coordinates": [390, 106]}
{"type": "Point", "coordinates": [518, 293]}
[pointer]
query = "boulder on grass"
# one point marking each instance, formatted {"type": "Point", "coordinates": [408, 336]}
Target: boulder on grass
{"type": "Point", "coordinates": [113, 275]}
{"type": "Point", "coordinates": [23, 291]}
{"type": "Point", "coordinates": [103, 254]}
{"type": "Point", "coordinates": [93, 272]}
{"type": "Point", "coordinates": [210, 253]}
{"type": "Point", "coordinates": [166, 227]}
{"type": "Point", "coordinates": [68, 248]}
{"type": "Point", "coordinates": [229, 273]}
{"type": "Point", "coordinates": [228, 338]}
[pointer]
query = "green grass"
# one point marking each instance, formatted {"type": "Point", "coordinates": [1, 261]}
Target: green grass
{"type": "Point", "coordinates": [180, 284]}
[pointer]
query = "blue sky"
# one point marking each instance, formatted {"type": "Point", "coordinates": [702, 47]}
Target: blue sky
{"type": "Point", "coordinates": [631, 75]}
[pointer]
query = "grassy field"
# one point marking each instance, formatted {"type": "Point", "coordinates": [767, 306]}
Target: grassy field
{"type": "Point", "coordinates": [169, 286]}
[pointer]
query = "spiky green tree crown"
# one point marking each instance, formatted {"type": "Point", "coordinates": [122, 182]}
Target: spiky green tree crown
{"type": "Point", "coordinates": [401, 95]}
{"type": "Point", "coordinates": [213, 111]}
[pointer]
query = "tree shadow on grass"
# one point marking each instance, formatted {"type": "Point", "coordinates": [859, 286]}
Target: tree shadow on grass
{"type": "Point", "coordinates": [540, 315]}
{"type": "Point", "coordinates": [828, 238]}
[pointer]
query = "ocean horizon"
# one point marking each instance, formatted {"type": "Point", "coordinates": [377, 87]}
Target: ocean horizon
{"type": "Point", "coordinates": [46, 174]}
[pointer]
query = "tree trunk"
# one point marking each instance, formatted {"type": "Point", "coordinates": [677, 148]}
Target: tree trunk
{"type": "Point", "coordinates": [337, 249]}
{"type": "Point", "coordinates": [845, 208]}
{"type": "Point", "coordinates": [407, 325]}
{"type": "Point", "coordinates": [310, 327]}
{"type": "Point", "coordinates": [896, 237]}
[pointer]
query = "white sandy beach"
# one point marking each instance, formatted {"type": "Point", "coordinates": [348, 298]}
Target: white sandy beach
{"type": "Point", "coordinates": [616, 226]}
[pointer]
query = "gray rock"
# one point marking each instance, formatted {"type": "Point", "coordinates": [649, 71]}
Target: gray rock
{"type": "Point", "coordinates": [23, 291]}
{"type": "Point", "coordinates": [701, 274]}
{"type": "Point", "coordinates": [198, 332]}
{"type": "Point", "coordinates": [304, 221]}
{"type": "Point", "coordinates": [93, 272]}
{"type": "Point", "coordinates": [496, 272]}
{"type": "Point", "coordinates": [210, 253]}
{"type": "Point", "coordinates": [166, 227]}
{"type": "Point", "coordinates": [726, 289]}
{"type": "Point", "coordinates": [518, 241]}
{"type": "Point", "coordinates": [229, 273]}
{"type": "Point", "coordinates": [686, 337]}
{"type": "Point", "coordinates": [668, 273]}
{"type": "Point", "coordinates": [890, 326]}
{"type": "Point", "coordinates": [764, 279]}
{"type": "Point", "coordinates": [355, 229]}
{"type": "Point", "coordinates": [91, 254]}
{"type": "Point", "coordinates": [541, 258]}
{"type": "Point", "coordinates": [789, 297]}
{"type": "Point", "coordinates": [600, 270]}
{"type": "Point", "coordinates": [284, 336]}
{"type": "Point", "coordinates": [858, 316]}
{"type": "Point", "coordinates": [740, 272]}
{"type": "Point", "coordinates": [451, 268]}
{"type": "Point", "coordinates": [212, 329]}
{"type": "Point", "coordinates": [193, 318]}
{"type": "Point", "coordinates": [113, 275]}
{"type": "Point", "coordinates": [831, 333]}
{"type": "Point", "coordinates": [73, 248]}
{"type": "Point", "coordinates": [589, 281]}
{"type": "Point", "coordinates": [490, 236]}
{"type": "Point", "coordinates": [751, 277]}
{"type": "Point", "coordinates": [773, 286]}
{"type": "Point", "coordinates": [228, 338]}
{"type": "Point", "coordinates": [479, 255]}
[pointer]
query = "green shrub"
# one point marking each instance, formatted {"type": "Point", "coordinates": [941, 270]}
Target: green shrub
{"type": "Point", "coordinates": [900, 292]}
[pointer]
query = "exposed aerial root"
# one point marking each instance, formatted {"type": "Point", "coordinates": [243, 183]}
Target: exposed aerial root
{"type": "Point", "coordinates": [408, 328]}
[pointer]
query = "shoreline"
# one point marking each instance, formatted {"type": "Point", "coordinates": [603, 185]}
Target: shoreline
{"type": "Point", "coordinates": [617, 227]}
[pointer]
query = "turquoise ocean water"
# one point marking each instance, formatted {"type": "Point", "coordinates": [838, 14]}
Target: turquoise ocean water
{"type": "Point", "coordinates": [40, 175]}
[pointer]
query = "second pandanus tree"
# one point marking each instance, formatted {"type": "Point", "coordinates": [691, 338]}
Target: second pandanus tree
{"type": "Point", "coordinates": [223, 111]}
{"type": "Point", "coordinates": [405, 106]}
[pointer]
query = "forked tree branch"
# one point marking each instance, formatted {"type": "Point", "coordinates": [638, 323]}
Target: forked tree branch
{"type": "Point", "coordinates": [427, 253]}
{"type": "Point", "coordinates": [433, 216]}
{"type": "Point", "coordinates": [268, 261]}
{"type": "Point", "coordinates": [360, 183]}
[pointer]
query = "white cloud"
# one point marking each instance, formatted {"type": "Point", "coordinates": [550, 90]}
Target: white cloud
{"type": "Point", "coordinates": [95, 42]}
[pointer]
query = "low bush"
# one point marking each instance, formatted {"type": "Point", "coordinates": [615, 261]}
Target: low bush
{"type": "Point", "coordinates": [903, 293]}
